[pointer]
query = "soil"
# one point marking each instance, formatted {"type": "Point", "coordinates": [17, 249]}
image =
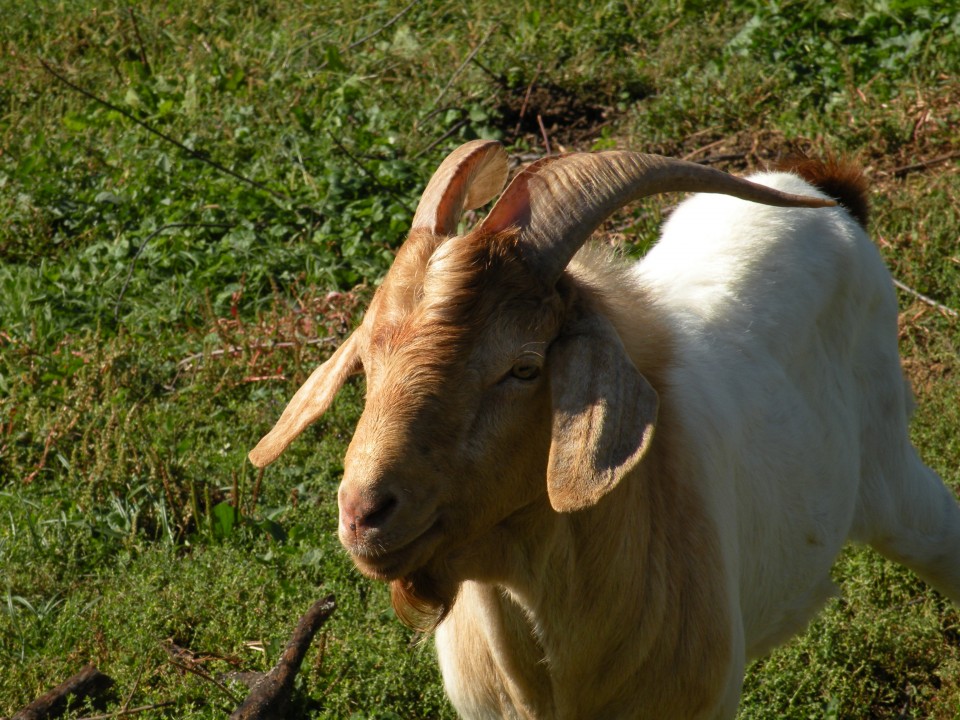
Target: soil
{"type": "Point", "coordinates": [567, 118]}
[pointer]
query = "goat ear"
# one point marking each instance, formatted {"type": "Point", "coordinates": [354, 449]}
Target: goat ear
{"type": "Point", "coordinates": [310, 401]}
{"type": "Point", "coordinates": [604, 412]}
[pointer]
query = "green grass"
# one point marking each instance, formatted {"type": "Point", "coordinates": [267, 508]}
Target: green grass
{"type": "Point", "coordinates": [156, 312]}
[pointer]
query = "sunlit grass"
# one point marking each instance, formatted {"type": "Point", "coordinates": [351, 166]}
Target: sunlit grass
{"type": "Point", "coordinates": [156, 312]}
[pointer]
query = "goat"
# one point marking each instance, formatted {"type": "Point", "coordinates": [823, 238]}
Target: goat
{"type": "Point", "coordinates": [607, 486]}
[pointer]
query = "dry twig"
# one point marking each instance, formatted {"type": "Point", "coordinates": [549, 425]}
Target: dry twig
{"type": "Point", "coordinates": [271, 696]}
{"type": "Point", "coordinates": [380, 29]}
{"type": "Point", "coordinates": [526, 99]}
{"type": "Point", "coordinates": [233, 351]}
{"type": "Point", "coordinates": [905, 170]}
{"type": "Point", "coordinates": [149, 128]}
{"type": "Point", "coordinates": [88, 683]}
{"type": "Point", "coordinates": [928, 300]}
{"type": "Point", "coordinates": [131, 711]}
{"type": "Point", "coordinates": [185, 660]}
{"type": "Point", "coordinates": [462, 65]}
{"type": "Point", "coordinates": [543, 131]}
{"type": "Point", "coordinates": [143, 245]}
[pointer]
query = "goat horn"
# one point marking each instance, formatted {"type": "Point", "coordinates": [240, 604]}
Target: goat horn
{"type": "Point", "coordinates": [558, 202]}
{"type": "Point", "coordinates": [469, 177]}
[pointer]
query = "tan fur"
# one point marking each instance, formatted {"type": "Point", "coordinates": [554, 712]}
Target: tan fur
{"type": "Point", "coordinates": [644, 605]}
{"type": "Point", "coordinates": [414, 355]}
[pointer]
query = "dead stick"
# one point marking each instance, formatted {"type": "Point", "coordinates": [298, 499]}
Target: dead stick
{"type": "Point", "coordinates": [924, 164]}
{"type": "Point", "coordinates": [149, 128]}
{"type": "Point", "coordinates": [204, 675]}
{"type": "Point", "coordinates": [928, 300]}
{"type": "Point", "coordinates": [143, 245]}
{"type": "Point", "coordinates": [89, 682]}
{"type": "Point", "coordinates": [713, 159]}
{"type": "Point", "coordinates": [440, 139]}
{"type": "Point", "coordinates": [379, 30]}
{"type": "Point", "coordinates": [543, 131]}
{"type": "Point", "coordinates": [143, 48]}
{"type": "Point", "coordinates": [255, 495]}
{"type": "Point", "coordinates": [269, 699]}
{"type": "Point", "coordinates": [188, 361]}
{"type": "Point", "coordinates": [526, 99]}
{"type": "Point", "coordinates": [466, 62]}
{"type": "Point", "coordinates": [363, 169]}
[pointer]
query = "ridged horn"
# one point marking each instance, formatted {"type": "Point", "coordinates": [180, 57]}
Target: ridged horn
{"type": "Point", "coordinates": [559, 201]}
{"type": "Point", "coordinates": [469, 177]}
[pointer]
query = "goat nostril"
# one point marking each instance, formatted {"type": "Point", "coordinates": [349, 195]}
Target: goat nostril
{"type": "Point", "coordinates": [378, 516]}
{"type": "Point", "coordinates": [368, 514]}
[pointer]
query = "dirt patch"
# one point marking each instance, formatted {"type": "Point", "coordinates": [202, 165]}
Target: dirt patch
{"type": "Point", "coordinates": [568, 118]}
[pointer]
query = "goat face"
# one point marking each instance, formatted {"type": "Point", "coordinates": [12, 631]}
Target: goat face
{"type": "Point", "coordinates": [456, 422]}
{"type": "Point", "coordinates": [490, 383]}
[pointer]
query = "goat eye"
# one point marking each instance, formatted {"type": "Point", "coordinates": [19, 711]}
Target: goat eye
{"type": "Point", "coordinates": [525, 370]}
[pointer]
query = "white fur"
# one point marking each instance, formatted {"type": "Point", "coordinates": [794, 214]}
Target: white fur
{"type": "Point", "coordinates": [789, 379]}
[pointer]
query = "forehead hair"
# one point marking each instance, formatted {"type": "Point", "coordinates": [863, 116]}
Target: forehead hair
{"type": "Point", "coordinates": [469, 282]}
{"type": "Point", "coordinates": [475, 272]}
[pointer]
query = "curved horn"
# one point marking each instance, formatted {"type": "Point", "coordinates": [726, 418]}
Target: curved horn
{"type": "Point", "coordinates": [469, 177]}
{"type": "Point", "coordinates": [559, 201]}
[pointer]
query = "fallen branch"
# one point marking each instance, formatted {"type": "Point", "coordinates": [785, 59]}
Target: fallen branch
{"type": "Point", "coordinates": [456, 127]}
{"type": "Point", "coordinates": [142, 247]}
{"type": "Point", "coordinates": [526, 99]}
{"type": "Point", "coordinates": [543, 132]}
{"type": "Point", "coordinates": [380, 29]}
{"type": "Point", "coordinates": [196, 155]}
{"type": "Point", "coordinates": [352, 158]}
{"type": "Point", "coordinates": [904, 170]}
{"type": "Point", "coordinates": [188, 661]}
{"type": "Point", "coordinates": [462, 65]}
{"type": "Point", "coordinates": [130, 711]}
{"type": "Point", "coordinates": [143, 48]}
{"type": "Point", "coordinates": [233, 350]}
{"type": "Point", "coordinates": [88, 683]}
{"type": "Point", "coordinates": [928, 300]}
{"type": "Point", "coordinates": [271, 696]}
{"type": "Point", "coordinates": [728, 157]}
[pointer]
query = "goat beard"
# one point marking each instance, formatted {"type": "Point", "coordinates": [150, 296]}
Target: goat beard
{"type": "Point", "coordinates": [422, 601]}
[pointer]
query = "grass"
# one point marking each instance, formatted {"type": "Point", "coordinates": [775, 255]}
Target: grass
{"type": "Point", "coordinates": [156, 312]}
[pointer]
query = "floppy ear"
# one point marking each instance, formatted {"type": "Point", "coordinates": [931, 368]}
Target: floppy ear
{"type": "Point", "coordinates": [604, 412]}
{"type": "Point", "coordinates": [310, 401]}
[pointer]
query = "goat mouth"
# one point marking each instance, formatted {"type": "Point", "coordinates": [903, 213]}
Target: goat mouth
{"type": "Point", "coordinates": [391, 563]}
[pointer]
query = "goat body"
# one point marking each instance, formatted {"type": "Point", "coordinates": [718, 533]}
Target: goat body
{"type": "Point", "coordinates": [614, 486]}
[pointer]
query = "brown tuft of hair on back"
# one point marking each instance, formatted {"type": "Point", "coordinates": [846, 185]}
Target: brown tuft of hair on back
{"type": "Point", "coordinates": [843, 180]}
